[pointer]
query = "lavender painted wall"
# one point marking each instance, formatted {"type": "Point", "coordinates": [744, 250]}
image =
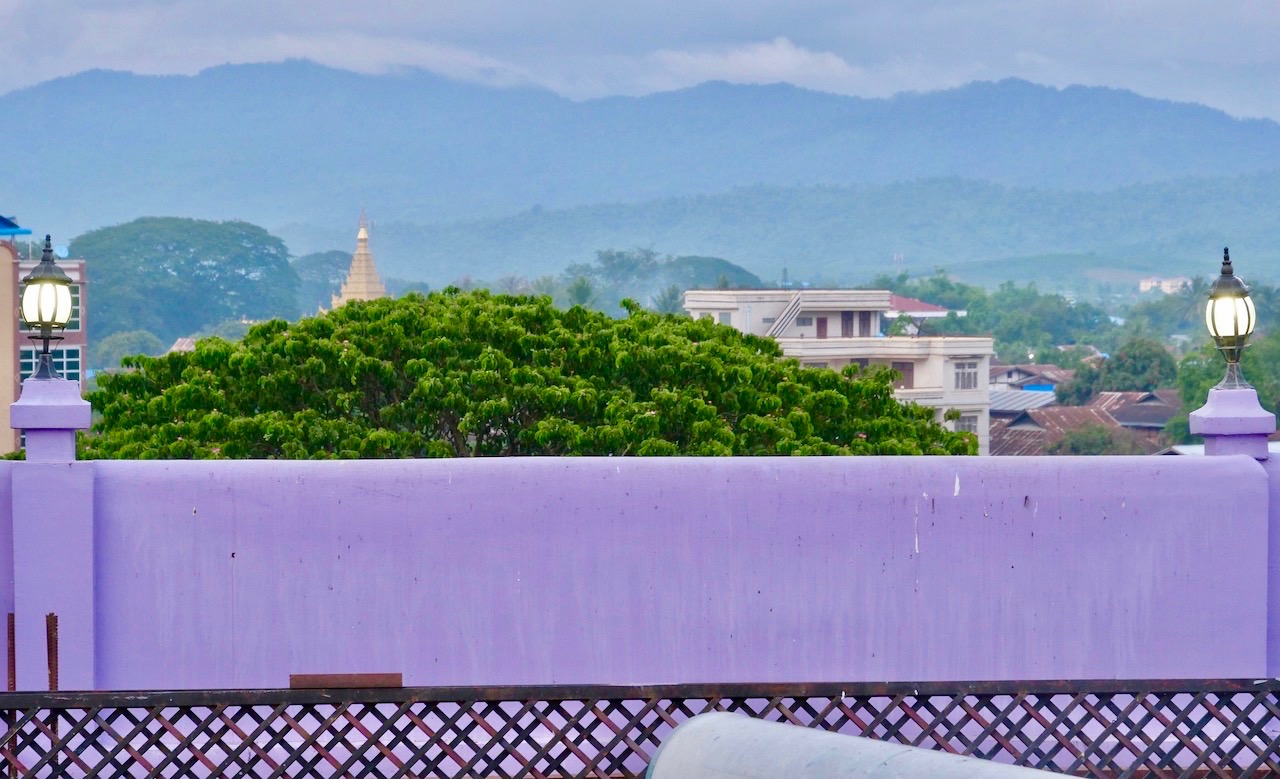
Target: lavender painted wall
{"type": "Point", "coordinates": [6, 536]}
{"type": "Point", "coordinates": [515, 571]}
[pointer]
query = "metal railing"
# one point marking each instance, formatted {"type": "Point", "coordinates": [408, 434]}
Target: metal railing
{"type": "Point", "coordinates": [1172, 728]}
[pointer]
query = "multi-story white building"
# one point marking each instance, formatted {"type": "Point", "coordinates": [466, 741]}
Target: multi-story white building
{"type": "Point", "coordinates": [831, 328]}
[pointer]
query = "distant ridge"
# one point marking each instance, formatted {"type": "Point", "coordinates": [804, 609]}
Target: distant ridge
{"type": "Point", "coordinates": [298, 144]}
{"type": "Point", "coordinates": [982, 232]}
{"type": "Point", "coordinates": [484, 180]}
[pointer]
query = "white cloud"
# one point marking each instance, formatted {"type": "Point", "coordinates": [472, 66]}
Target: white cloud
{"type": "Point", "coordinates": [778, 60]}
{"type": "Point", "coordinates": [1219, 54]}
{"type": "Point", "coordinates": [373, 54]}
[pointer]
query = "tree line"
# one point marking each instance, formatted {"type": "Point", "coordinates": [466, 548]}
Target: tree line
{"type": "Point", "coordinates": [156, 279]}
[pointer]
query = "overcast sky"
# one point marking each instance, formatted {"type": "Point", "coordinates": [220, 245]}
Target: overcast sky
{"type": "Point", "coordinates": [1223, 54]}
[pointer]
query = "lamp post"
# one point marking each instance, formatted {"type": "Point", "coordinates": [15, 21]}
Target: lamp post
{"type": "Point", "coordinates": [53, 558]}
{"type": "Point", "coordinates": [1231, 420]}
{"type": "Point", "coordinates": [46, 306]}
{"type": "Point", "coordinates": [1230, 316]}
{"type": "Point", "coordinates": [50, 410]}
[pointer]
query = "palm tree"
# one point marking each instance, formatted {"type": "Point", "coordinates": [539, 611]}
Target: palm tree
{"type": "Point", "coordinates": [669, 301]}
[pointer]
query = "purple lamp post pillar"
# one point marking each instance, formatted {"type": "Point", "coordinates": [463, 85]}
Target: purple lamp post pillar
{"type": "Point", "coordinates": [1232, 421]}
{"type": "Point", "coordinates": [53, 556]}
{"type": "Point", "coordinates": [49, 412]}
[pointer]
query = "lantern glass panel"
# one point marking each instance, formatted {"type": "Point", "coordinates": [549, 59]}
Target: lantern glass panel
{"type": "Point", "coordinates": [46, 304]}
{"type": "Point", "coordinates": [1230, 317]}
{"type": "Point", "coordinates": [62, 309]}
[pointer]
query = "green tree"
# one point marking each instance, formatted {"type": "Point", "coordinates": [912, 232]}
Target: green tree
{"type": "Point", "coordinates": [669, 301]}
{"type": "Point", "coordinates": [581, 292]}
{"type": "Point", "coordinates": [468, 374]}
{"type": "Point", "coordinates": [1139, 365]}
{"type": "Point", "coordinates": [1022, 320]}
{"type": "Point", "coordinates": [1096, 439]}
{"type": "Point", "coordinates": [695, 272]}
{"type": "Point", "coordinates": [642, 273]}
{"type": "Point", "coordinates": [1081, 388]}
{"type": "Point", "coordinates": [173, 277]}
{"type": "Point", "coordinates": [108, 352]}
{"type": "Point", "coordinates": [1202, 370]}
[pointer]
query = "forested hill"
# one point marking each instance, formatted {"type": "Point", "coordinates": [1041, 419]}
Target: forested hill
{"type": "Point", "coordinates": [981, 233]}
{"type": "Point", "coordinates": [299, 144]}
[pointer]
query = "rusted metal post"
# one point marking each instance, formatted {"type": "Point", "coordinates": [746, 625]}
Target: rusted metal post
{"type": "Point", "coordinates": [51, 649]}
{"type": "Point", "coordinates": [9, 719]}
{"type": "Point", "coordinates": [51, 646]}
{"type": "Point", "coordinates": [13, 653]}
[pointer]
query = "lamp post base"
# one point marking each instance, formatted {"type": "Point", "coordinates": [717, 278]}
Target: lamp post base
{"type": "Point", "coordinates": [1233, 422]}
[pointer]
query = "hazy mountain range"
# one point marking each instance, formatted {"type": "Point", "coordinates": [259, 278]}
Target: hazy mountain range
{"type": "Point", "coordinates": [462, 179]}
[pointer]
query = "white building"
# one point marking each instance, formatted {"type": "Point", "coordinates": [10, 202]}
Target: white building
{"type": "Point", "coordinates": [831, 328]}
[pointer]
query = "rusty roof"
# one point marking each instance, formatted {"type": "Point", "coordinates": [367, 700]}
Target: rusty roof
{"type": "Point", "coordinates": [1034, 430]}
{"type": "Point", "coordinates": [1110, 401]}
{"type": "Point", "coordinates": [913, 306]}
{"type": "Point", "coordinates": [1139, 409]}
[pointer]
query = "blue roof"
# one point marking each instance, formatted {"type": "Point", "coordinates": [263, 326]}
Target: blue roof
{"type": "Point", "coordinates": [10, 227]}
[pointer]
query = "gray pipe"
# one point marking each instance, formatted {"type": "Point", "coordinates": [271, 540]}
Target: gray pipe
{"type": "Point", "coordinates": [720, 745]}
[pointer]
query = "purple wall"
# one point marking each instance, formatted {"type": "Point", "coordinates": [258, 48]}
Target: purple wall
{"type": "Point", "coordinates": [558, 570]}
{"type": "Point", "coordinates": [6, 537]}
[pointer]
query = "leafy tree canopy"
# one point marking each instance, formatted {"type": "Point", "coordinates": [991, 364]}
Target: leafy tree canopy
{"type": "Point", "coordinates": [466, 374]}
{"type": "Point", "coordinates": [1027, 324]}
{"type": "Point", "coordinates": [643, 274]}
{"type": "Point", "coordinates": [173, 277]}
{"type": "Point", "coordinates": [1200, 371]}
{"type": "Point", "coordinates": [1139, 365]}
{"type": "Point", "coordinates": [1097, 439]}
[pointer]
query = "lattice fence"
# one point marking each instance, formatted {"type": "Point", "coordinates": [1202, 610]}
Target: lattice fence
{"type": "Point", "coordinates": [1165, 729]}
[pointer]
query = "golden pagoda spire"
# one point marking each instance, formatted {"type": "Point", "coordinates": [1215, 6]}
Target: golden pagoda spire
{"type": "Point", "coordinates": [363, 282]}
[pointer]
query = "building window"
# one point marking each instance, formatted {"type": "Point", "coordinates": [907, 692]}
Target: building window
{"type": "Point", "coordinates": [815, 365]}
{"type": "Point", "coordinates": [864, 323]}
{"type": "Point", "coordinates": [66, 361]}
{"type": "Point", "coordinates": [726, 318]}
{"type": "Point", "coordinates": [704, 316]}
{"type": "Point", "coordinates": [967, 423]}
{"type": "Point", "coordinates": [907, 370]}
{"type": "Point", "coordinates": [73, 326]}
{"type": "Point", "coordinates": [769, 320]}
{"type": "Point", "coordinates": [966, 375]}
{"type": "Point", "coordinates": [804, 321]}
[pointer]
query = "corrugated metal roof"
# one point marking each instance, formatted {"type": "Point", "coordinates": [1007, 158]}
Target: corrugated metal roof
{"type": "Point", "coordinates": [182, 345]}
{"type": "Point", "coordinates": [1139, 409]}
{"type": "Point", "coordinates": [1034, 430]}
{"type": "Point", "coordinates": [1111, 401]}
{"type": "Point", "coordinates": [1013, 401]}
